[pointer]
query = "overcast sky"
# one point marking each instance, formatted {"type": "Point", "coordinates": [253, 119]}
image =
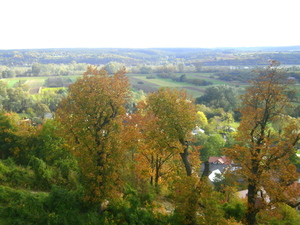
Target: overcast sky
{"type": "Point", "coordinates": [147, 24]}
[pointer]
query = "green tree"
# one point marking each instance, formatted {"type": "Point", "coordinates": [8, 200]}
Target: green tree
{"type": "Point", "coordinates": [212, 147]}
{"type": "Point", "coordinates": [36, 69]}
{"type": "Point", "coordinates": [8, 74]}
{"type": "Point", "coordinates": [41, 109]}
{"type": "Point", "coordinates": [145, 69]}
{"type": "Point", "coordinates": [91, 118]}
{"type": "Point", "coordinates": [264, 153]}
{"type": "Point", "coordinates": [220, 96]}
{"type": "Point", "coordinates": [18, 99]}
{"type": "Point", "coordinates": [3, 93]}
{"type": "Point", "coordinates": [181, 67]}
{"type": "Point", "coordinates": [113, 67]}
{"type": "Point", "coordinates": [53, 99]}
{"type": "Point", "coordinates": [135, 97]}
{"type": "Point", "coordinates": [198, 66]}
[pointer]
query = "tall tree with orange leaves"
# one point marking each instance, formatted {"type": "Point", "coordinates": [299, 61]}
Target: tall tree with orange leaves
{"type": "Point", "coordinates": [176, 117]}
{"type": "Point", "coordinates": [155, 158]}
{"type": "Point", "coordinates": [263, 152]}
{"type": "Point", "coordinates": [161, 130]}
{"type": "Point", "coordinates": [91, 118]}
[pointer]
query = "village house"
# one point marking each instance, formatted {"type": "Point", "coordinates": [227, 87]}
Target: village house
{"type": "Point", "coordinates": [215, 165]}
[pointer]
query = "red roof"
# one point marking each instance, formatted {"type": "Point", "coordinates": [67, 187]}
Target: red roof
{"type": "Point", "coordinates": [220, 160]}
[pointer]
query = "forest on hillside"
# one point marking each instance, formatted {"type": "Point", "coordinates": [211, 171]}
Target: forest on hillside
{"type": "Point", "coordinates": [156, 56]}
{"type": "Point", "coordinates": [102, 152]}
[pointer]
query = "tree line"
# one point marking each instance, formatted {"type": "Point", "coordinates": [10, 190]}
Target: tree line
{"type": "Point", "coordinates": [154, 56]}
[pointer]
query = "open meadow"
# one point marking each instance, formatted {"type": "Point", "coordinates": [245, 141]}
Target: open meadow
{"type": "Point", "coordinates": [151, 82]}
{"type": "Point", "coordinates": [146, 82]}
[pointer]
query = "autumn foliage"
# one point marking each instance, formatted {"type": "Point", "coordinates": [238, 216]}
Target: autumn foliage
{"type": "Point", "coordinates": [108, 157]}
{"type": "Point", "coordinates": [263, 153]}
{"type": "Point", "coordinates": [163, 123]}
{"type": "Point", "coordinates": [91, 117]}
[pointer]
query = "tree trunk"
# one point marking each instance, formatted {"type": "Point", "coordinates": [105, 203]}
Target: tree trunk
{"type": "Point", "coordinates": [185, 159]}
{"type": "Point", "coordinates": [156, 175]}
{"type": "Point", "coordinates": [151, 180]}
{"type": "Point", "coordinates": [252, 209]}
{"type": "Point", "coordinates": [206, 170]}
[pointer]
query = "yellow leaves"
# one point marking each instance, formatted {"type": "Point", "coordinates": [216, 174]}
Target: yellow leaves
{"type": "Point", "coordinates": [91, 118]}
{"type": "Point", "coordinates": [160, 128]}
{"type": "Point", "coordinates": [201, 118]}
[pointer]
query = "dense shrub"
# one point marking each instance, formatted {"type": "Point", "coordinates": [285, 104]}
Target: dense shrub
{"type": "Point", "coordinates": [281, 214]}
{"type": "Point", "coordinates": [234, 210]}
{"type": "Point", "coordinates": [57, 207]}
{"type": "Point", "coordinates": [132, 209]}
{"type": "Point", "coordinates": [22, 207]}
{"type": "Point", "coordinates": [13, 175]}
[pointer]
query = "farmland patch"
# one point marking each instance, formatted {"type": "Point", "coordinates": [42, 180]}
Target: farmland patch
{"type": "Point", "coordinates": [58, 82]}
{"type": "Point", "coordinates": [35, 83]}
{"type": "Point", "coordinates": [144, 85]}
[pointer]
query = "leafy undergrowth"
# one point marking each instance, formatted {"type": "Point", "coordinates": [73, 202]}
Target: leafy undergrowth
{"type": "Point", "coordinates": [23, 202]}
{"type": "Point", "coordinates": [15, 176]}
{"type": "Point", "coordinates": [56, 207]}
{"type": "Point", "coordinates": [61, 206]}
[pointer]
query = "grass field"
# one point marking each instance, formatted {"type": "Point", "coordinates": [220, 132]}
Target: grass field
{"type": "Point", "coordinates": [195, 91]}
{"type": "Point", "coordinates": [162, 82]}
{"type": "Point", "coordinates": [139, 81]}
{"type": "Point", "coordinates": [35, 83]}
{"type": "Point", "coordinates": [29, 80]}
{"type": "Point", "coordinates": [149, 85]}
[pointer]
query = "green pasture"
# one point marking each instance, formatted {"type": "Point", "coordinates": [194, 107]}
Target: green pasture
{"type": "Point", "coordinates": [35, 83]}
{"type": "Point", "coordinates": [165, 82]}
{"type": "Point", "coordinates": [168, 82]}
{"type": "Point", "coordinates": [206, 77]}
{"type": "Point", "coordinates": [194, 94]}
{"type": "Point", "coordinates": [162, 82]}
{"type": "Point", "coordinates": [199, 74]}
{"type": "Point", "coordinates": [74, 77]}
{"type": "Point", "coordinates": [25, 80]}
{"type": "Point", "coordinates": [195, 91]}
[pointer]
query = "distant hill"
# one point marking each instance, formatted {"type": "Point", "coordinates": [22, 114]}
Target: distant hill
{"type": "Point", "coordinates": [153, 56]}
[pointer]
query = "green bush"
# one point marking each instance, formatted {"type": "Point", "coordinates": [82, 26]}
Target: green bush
{"type": "Point", "coordinates": [234, 210]}
{"type": "Point", "coordinates": [21, 207]}
{"type": "Point", "coordinates": [43, 174]}
{"type": "Point", "coordinates": [15, 176]}
{"type": "Point", "coordinates": [280, 214]}
{"type": "Point", "coordinates": [131, 210]}
{"type": "Point", "coordinates": [57, 207]}
{"type": "Point", "coordinates": [65, 206]}
{"type": "Point", "coordinates": [67, 172]}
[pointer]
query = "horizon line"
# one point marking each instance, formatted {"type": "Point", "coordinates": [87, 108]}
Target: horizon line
{"type": "Point", "coordinates": [227, 47]}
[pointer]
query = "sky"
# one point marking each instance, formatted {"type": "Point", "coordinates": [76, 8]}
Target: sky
{"type": "Point", "coordinates": [27, 24]}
